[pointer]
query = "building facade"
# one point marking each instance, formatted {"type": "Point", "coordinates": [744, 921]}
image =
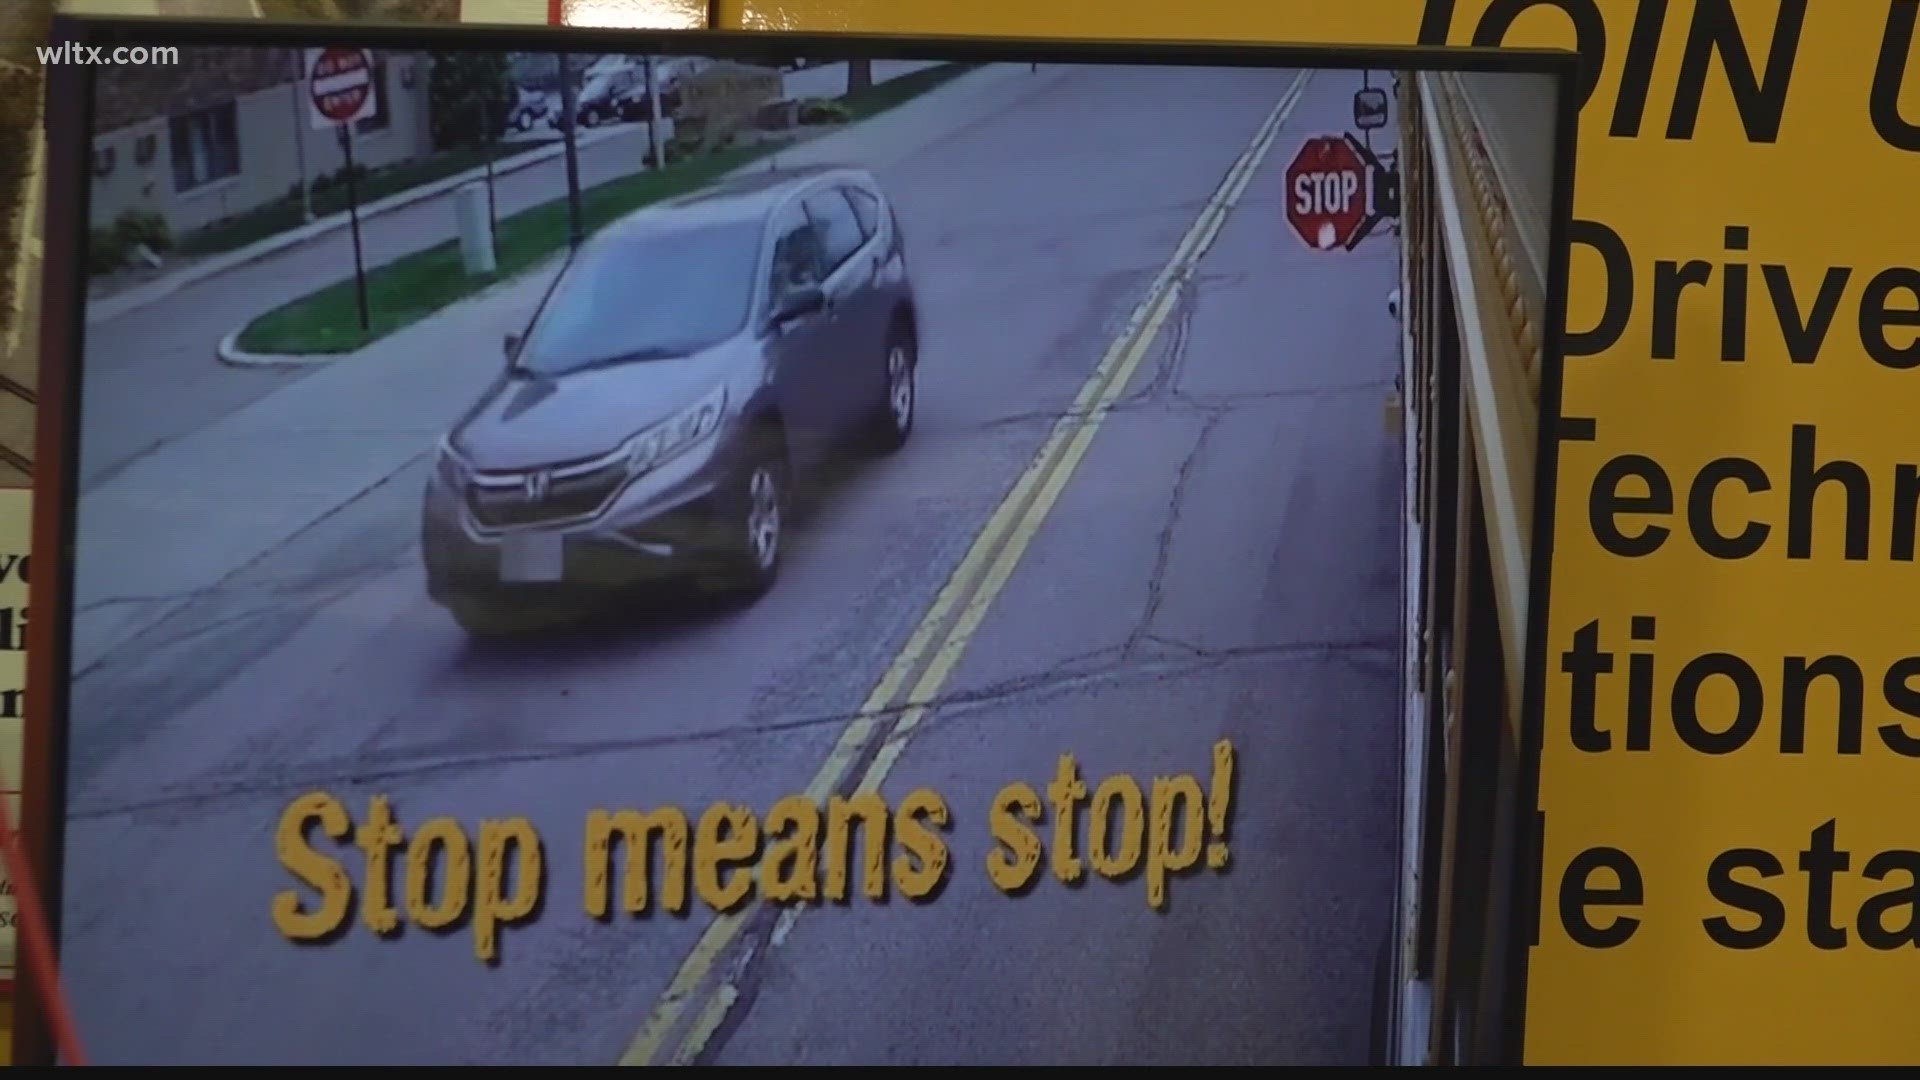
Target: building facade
{"type": "Point", "coordinates": [228, 131]}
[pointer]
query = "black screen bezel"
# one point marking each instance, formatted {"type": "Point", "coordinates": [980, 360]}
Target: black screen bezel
{"type": "Point", "coordinates": [69, 112]}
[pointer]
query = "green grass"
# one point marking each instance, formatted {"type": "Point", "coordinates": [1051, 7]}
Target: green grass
{"type": "Point", "coordinates": [880, 97]}
{"type": "Point", "coordinates": [284, 213]}
{"type": "Point", "coordinates": [415, 286]}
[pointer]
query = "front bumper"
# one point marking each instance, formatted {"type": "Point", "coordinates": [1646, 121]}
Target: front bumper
{"type": "Point", "coordinates": [652, 529]}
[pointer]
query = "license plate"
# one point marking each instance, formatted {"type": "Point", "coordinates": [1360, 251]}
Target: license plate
{"type": "Point", "coordinates": [530, 558]}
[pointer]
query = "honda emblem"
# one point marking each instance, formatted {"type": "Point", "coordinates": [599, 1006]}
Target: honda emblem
{"type": "Point", "coordinates": [536, 485]}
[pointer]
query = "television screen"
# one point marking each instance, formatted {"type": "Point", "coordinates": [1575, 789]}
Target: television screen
{"type": "Point", "coordinates": [741, 552]}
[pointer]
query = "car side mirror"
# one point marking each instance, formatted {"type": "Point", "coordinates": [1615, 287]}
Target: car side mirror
{"type": "Point", "coordinates": [511, 346]}
{"type": "Point", "coordinates": [796, 303]}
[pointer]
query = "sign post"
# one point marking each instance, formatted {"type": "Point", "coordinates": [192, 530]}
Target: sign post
{"type": "Point", "coordinates": [340, 88]}
{"type": "Point", "coordinates": [1327, 194]}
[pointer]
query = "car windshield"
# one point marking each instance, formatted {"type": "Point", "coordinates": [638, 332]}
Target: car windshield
{"type": "Point", "coordinates": [657, 296]}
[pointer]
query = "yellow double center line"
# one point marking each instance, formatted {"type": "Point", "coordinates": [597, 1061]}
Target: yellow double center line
{"type": "Point", "coordinates": [937, 644]}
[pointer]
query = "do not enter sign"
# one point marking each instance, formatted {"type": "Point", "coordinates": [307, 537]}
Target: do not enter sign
{"type": "Point", "coordinates": [1327, 193]}
{"type": "Point", "coordinates": [339, 85]}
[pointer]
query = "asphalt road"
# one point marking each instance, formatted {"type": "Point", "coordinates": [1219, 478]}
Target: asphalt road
{"type": "Point", "coordinates": [1223, 563]}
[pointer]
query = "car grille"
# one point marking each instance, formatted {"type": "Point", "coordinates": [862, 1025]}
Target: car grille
{"type": "Point", "coordinates": [503, 501]}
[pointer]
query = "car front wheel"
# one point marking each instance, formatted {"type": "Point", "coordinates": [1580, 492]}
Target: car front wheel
{"type": "Point", "coordinates": [754, 522]}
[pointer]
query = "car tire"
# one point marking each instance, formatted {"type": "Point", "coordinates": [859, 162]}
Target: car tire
{"type": "Point", "coordinates": [754, 517]}
{"type": "Point", "coordinates": [892, 422]}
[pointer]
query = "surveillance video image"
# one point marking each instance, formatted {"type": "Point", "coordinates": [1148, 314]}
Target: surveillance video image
{"type": "Point", "coordinates": [768, 560]}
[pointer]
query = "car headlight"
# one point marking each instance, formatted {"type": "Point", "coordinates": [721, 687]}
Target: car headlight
{"type": "Point", "coordinates": [449, 466]}
{"type": "Point", "coordinates": [664, 441]}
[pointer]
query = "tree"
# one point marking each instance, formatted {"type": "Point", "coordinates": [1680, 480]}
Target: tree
{"type": "Point", "coordinates": [859, 75]}
{"type": "Point", "coordinates": [470, 96]}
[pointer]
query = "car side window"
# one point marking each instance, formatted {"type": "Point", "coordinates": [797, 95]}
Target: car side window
{"type": "Point", "coordinates": [797, 260]}
{"type": "Point", "coordinates": [867, 209]}
{"type": "Point", "coordinates": [840, 232]}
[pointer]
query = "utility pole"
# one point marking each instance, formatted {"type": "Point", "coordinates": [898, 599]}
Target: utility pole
{"type": "Point", "coordinates": [655, 160]}
{"type": "Point", "coordinates": [569, 98]}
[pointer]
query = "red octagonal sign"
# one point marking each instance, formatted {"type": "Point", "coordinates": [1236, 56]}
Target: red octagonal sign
{"type": "Point", "coordinates": [1327, 193]}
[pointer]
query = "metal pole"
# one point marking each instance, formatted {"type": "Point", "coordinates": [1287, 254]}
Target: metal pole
{"type": "Point", "coordinates": [353, 218]}
{"type": "Point", "coordinates": [493, 216]}
{"type": "Point", "coordinates": [300, 150]}
{"type": "Point", "coordinates": [490, 146]}
{"type": "Point", "coordinates": [654, 158]}
{"type": "Point", "coordinates": [1366, 83]}
{"type": "Point", "coordinates": [568, 99]}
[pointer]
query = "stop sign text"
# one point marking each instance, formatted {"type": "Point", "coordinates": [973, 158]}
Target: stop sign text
{"type": "Point", "coordinates": [1327, 193]}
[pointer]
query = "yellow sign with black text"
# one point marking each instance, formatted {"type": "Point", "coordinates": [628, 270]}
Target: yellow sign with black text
{"type": "Point", "coordinates": [1730, 868]}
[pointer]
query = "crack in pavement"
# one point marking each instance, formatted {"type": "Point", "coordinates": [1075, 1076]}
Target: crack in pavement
{"type": "Point", "coordinates": [1169, 526]}
{"type": "Point", "coordinates": [1187, 403]}
{"type": "Point", "coordinates": [1110, 665]}
{"type": "Point", "coordinates": [138, 640]}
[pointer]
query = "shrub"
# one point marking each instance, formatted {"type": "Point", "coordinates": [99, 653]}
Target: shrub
{"type": "Point", "coordinates": [338, 177]}
{"type": "Point", "coordinates": [135, 227]}
{"type": "Point", "coordinates": [823, 111]}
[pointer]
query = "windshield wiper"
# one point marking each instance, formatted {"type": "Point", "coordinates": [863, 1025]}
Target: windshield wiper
{"type": "Point", "coordinates": [636, 356]}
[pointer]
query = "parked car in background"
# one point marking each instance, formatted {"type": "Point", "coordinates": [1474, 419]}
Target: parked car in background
{"type": "Point", "coordinates": [531, 108]}
{"type": "Point", "coordinates": [686, 367]}
{"type": "Point", "coordinates": [608, 96]}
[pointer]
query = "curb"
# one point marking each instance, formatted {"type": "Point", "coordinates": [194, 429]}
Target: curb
{"type": "Point", "coordinates": [112, 307]}
{"type": "Point", "coordinates": [231, 354]}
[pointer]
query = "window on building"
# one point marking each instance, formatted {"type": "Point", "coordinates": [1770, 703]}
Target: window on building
{"type": "Point", "coordinates": [206, 146]}
{"type": "Point", "coordinates": [379, 119]}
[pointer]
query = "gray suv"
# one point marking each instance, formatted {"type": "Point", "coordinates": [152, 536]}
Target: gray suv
{"type": "Point", "coordinates": [687, 363]}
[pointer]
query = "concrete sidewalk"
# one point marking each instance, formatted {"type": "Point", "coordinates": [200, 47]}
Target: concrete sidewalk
{"type": "Point", "coordinates": [139, 296]}
{"type": "Point", "coordinates": [183, 517]}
